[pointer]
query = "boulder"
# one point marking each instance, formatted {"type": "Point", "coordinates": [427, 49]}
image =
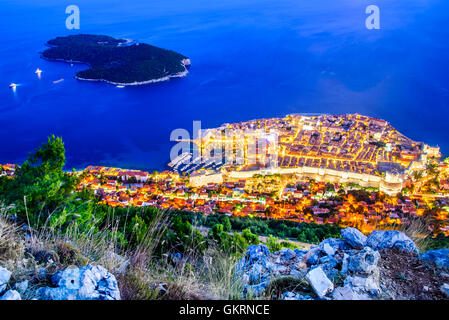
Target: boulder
{"type": "Point", "coordinates": [353, 237]}
{"type": "Point", "coordinates": [5, 275]}
{"type": "Point", "coordinates": [11, 295]}
{"type": "Point", "coordinates": [391, 239]}
{"type": "Point", "coordinates": [364, 262]}
{"type": "Point", "coordinates": [86, 283]}
{"type": "Point", "coordinates": [331, 246]}
{"type": "Point", "coordinates": [440, 257]}
{"type": "Point", "coordinates": [319, 282]}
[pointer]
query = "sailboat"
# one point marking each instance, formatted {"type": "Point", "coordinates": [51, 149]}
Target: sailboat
{"type": "Point", "coordinates": [38, 72]}
{"type": "Point", "coordinates": [13, 85]}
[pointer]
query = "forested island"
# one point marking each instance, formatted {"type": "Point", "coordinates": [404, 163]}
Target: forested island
{"type": "Point", "coordinates": [117, 61]}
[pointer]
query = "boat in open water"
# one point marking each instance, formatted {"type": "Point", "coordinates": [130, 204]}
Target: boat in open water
{"type": "Point", "coordinates": [57, 81]}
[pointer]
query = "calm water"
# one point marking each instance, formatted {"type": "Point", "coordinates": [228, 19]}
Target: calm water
{"type": "Point", "coordinates": [250, 59]}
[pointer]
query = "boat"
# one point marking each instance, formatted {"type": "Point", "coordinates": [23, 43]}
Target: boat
{"type": "Point", "coordinates": [13, 85]}
{"type": "Point", "coordinates": [57, 81]}
{"type": "Point", "coordinates": [38, 72]}
{"type": "Point", "coordinates": [120, 86]}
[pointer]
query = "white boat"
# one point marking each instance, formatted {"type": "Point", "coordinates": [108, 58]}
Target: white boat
{"type": "Point", "coordinates": [120, 86]}
{"type": "Point", "coordinates": [38, 72]}
{"type": "Point", "coordinates": [13, 85]}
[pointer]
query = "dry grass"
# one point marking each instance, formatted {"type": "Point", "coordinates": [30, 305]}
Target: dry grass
{"type": "Point", "coordinates": [208, 276]}
{"type": "Point", "coordinates": [416, 229]}
{"type": "Point", "coordinates": [11, 245]}
{"type": "Point", "coordinates": [141, 274]}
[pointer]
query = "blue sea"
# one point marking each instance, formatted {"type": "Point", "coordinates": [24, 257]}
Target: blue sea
{"type": "Point", "coordinates": [250, 59]}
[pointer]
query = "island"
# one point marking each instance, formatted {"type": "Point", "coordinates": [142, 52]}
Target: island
{"type": "Point", "coordinates": [117, 61]}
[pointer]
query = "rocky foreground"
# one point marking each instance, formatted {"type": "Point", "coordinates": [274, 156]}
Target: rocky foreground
{"type": "Point", "coordinates": [384, 265]}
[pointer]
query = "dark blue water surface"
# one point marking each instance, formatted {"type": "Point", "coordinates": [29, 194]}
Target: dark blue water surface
{"type": "Point", "coordinates": [250, 59]}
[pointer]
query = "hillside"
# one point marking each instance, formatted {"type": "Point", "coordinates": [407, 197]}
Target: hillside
{"type": "Point", "coordinates": [384, 265]}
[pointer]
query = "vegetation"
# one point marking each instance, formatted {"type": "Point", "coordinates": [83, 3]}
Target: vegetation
{"type": "Point", "coordinates": [438, 242]}
{"type": "Point", "coordinates": [303, 232]}
{"type": "Point", "coordinates": [113, 60]}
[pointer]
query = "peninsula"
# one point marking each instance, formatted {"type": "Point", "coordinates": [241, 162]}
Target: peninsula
{"type": "Point", "coordinates": [117, 61]}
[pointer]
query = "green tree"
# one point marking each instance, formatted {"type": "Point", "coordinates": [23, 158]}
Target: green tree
{"type": "Point", "coordinates": [41, 186]}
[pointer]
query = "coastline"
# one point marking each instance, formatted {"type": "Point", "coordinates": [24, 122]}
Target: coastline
{"type": "Point", "coordinates": [185, 63]}
{"type": "Point", "coordinates": [166, 78]}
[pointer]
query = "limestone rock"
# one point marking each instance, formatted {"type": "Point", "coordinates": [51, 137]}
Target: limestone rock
{"type": "Point", "coordinates": [86, 283]}
{"type": "Point", "coordinates": [319, 282]}
{"type": "Point", "coordinates": [331, 246]}
{"type": "Point", "coordinates": [354, 237]}
{"type": "Point", "coordinates": [365, 262]}
{"type": "Point", "coordinates": [391, 239]}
